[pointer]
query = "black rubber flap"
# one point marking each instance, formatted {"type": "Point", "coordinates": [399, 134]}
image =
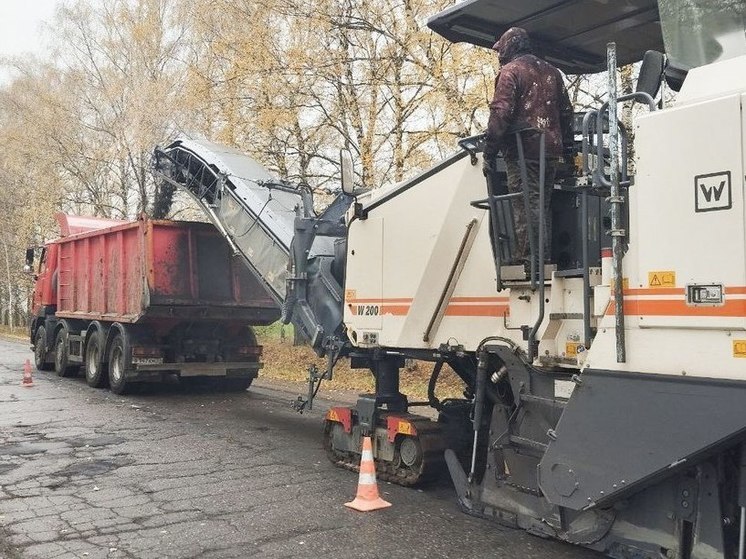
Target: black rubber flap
{"type": "Point", "coordinates": [572, 34]}
{"type": "Point", "coordinates": [622, 431]}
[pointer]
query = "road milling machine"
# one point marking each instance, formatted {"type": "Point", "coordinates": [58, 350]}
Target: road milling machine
{"type": "Point", "coordinates": [605, 400]}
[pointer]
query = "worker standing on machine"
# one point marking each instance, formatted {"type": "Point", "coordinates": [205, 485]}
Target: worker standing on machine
{"type": "Point", "coordinates": [529, 93]}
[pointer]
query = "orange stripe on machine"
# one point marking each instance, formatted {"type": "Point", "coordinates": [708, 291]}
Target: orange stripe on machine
{"type": "Point", "coordinates": [667, 307]}
{"type": "Point", "coordinates": [655, 291]}
{"type": "Point", "coordinates": [458, 306]}
{"type": "Point", "coordinates": [643, 302]}
{"type": "Point", "coordinates": [733, 290]}
{"type": "Point", "coordinates": [733, 308]}
{"type": "Point", "coordinates": [480, 299]}
{"type": "Point", "coordinates": [403, 300]}
{"type": "Point", "coordinates": [396, 310]}
{"type": "Point", "coordinates": [477, 310]}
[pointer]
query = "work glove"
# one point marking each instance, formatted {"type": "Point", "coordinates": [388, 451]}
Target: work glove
{"type": "Point", "coordinates": [489, 165]}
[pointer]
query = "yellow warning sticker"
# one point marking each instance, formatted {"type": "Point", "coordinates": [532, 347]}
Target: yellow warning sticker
{"type": "Point", "coordinates": [662, 279]}
{"type": "Point", "coordinates": [571, 349]}
{"type": "Point", "coordinates": [739, 348]}
{"type": "Point", "coordinates": [350, 294]}
{"type": "Point", "coordinates": [404, 427]}
{"type": "Point", "coordinates": [332, 416]}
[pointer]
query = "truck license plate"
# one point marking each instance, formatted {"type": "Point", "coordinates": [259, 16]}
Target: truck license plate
{"type": "Point", "coordinates": [147, 360]}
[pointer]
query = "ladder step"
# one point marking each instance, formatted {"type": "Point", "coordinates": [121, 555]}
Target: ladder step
{"type": "Point", "coordinates": [517, 273]}
{"type": "Point", "coordinates": [566, 316]}
{"type": "Point", "coordinates": [508, 273]}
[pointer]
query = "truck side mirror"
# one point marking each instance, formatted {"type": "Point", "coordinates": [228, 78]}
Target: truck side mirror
{"type": "Point", "coordinates": [348, 175]}
{"type": "Point", "coordinates": [29, 266]}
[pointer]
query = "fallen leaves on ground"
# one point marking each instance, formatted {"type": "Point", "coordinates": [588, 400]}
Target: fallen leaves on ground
{"type": "Point", "coordinates": [285, 362]}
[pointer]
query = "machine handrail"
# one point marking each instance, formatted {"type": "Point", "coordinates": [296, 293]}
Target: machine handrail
{"type": "Point", "coordinates": [472, 145]}
{"type": "Point", "coordinates": [533, 346]}
{"type": "Point", "coordinates": [637, 96]}
{"type": "Point", "coordinates": [481, 204]}
{"type": "Point", "coordinates": [537, 255]}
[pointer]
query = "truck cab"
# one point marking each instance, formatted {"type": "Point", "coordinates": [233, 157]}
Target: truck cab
{"type": "Point", "coordinates": [44, 296]}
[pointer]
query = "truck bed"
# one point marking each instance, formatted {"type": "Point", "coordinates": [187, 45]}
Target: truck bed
{"type": "Point", "coordinates": [157, 268]}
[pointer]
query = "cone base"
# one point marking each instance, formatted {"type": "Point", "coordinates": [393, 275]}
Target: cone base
{"type": "Point", "coordinates": [27, 384]}
{"type": "Point", "coordinates": [365, 505]}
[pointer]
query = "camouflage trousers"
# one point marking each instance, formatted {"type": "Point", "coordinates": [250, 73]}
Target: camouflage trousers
{"type": "Point", "coordinates": [522, 250]}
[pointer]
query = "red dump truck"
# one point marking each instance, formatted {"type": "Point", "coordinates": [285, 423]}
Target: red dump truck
{"type": "Point", "coordinates": [131, 302]}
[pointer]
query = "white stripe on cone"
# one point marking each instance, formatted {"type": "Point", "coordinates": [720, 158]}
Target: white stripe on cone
{"type": "Point", "coordinates": [367, 479]}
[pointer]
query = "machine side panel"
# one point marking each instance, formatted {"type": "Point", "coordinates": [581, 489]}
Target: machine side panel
{"type": "Point", "coordinates": [685, 303]}
{"type": "Point", "coordinates": [433, 217]}
{"type": "Point", "coordinates": [364, 301]}
{"type": "Point", "coordinates": [622, 431]}
{"type": "Point", "coordinates": [690, 217]}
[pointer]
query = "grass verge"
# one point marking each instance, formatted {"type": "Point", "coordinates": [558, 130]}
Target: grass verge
{"type": "Point", "coordinates": [17, 333]}
{"type": "Point", "coordinates": [289, 363]}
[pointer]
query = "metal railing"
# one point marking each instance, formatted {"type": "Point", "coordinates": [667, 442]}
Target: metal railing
{"type": "Point", "coordinates": [503, 228]}
{"type": "Point", "coordinates": [618, 179]}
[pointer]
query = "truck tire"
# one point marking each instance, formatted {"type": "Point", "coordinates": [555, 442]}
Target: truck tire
{"type": "Point", "coordinates": [61, 356]}
{"type": "Point", "coordinates": [95, 368]}
{"type": "Point", "coordinates": [238, 384]}
{"type": "Point", "coordinates": [118, 360]}
{"type": "Point", "coordinates": [40, 350]}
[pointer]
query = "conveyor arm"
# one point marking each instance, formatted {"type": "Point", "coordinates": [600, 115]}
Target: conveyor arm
{"type": "Point", "coordinates": [272, 226]}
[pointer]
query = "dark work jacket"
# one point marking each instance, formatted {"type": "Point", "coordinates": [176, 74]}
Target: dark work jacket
{"type": "Point", "coordinates": [529, 92]}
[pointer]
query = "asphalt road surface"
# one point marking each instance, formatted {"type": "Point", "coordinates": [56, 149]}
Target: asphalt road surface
{"type": "Point", "coordinates": [172, 473]}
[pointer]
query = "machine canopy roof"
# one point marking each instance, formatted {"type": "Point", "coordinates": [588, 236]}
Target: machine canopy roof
{"type": "Point", "coordinates": [571, 34]}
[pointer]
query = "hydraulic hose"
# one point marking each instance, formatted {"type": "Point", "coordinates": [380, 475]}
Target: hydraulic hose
{"type": "Point", "coordinates": [431, 397]}
{"type": "Point", "coordinates": [481, 383]}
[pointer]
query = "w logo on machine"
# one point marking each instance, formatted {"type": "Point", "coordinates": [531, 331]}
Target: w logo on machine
{"type": "Point", "coordinates": [713, 192]}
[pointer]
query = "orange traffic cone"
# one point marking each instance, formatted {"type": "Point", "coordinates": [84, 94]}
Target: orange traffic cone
{"type": "Point", "coordinates": [367, 498]}
{"type": "Point", "coordinates": [28, 380]}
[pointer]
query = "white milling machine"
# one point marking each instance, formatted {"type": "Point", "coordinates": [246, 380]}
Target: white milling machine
{"type": "Point", "coordinates": [616, 423]}
{"type": "Point", "coordinates": [636, 452]}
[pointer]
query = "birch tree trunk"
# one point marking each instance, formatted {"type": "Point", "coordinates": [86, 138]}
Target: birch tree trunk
{"type": "Point", "coordinates": [11, 291]}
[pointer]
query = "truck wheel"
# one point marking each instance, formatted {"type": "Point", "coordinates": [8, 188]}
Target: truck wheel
{"type": "Point", "coordinates": [61, 356]}
{"type": "Point", "coordinates": [40, 350]}
{"type": "Point", "coordinates": [95, 373]}
{"type": "Point", "coordinates": [118, 366]}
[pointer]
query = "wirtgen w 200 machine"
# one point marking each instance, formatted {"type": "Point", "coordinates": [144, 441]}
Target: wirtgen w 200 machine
{"type": "Point", "coordinates": [606, 391]}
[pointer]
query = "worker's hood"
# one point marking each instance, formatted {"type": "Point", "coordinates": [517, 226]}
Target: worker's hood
{"type": "Point", "coordinates": [513, 43]}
